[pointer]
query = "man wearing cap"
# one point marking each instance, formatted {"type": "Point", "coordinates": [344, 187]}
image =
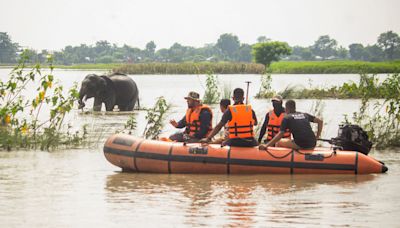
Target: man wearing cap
{"type": "Point", "coordinates": [198, 121]}
{"type": "Point", "coordinates": [273, 120]}
{"type": "Point", "coordinates": [240, 118]}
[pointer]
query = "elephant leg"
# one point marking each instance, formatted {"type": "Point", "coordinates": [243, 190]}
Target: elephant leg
{"type": "Point", "coordinates": [124, 107]}
{"type": "Point", "coordinates": [130, 106]}
{"type": "Point", "coordinates": [97, 104]}
{"type": "Point", "coordinates": [109, 107]}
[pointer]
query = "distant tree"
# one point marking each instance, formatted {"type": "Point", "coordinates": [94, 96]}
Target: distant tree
{"type": "Point", "coordinates": [342, 53]}
{"type": "Point", "coordinates": [267, 52]}
{"type": "Point", "coordinates": [176, 53]}
{"type": "Point", "coordinates": [102, 48]}
{"type": "Point", "coordinates": [324, 47]}
{"type": "Point", "coordinates": [301, 53]}
{"type": "Point", "coordinates": [162, 55]}
{"type": "Point", "coordinates": [8, 49]}
{"type": "Point", "coordinates": [389, 42]}
{"type": "Point", "coordinates": [374, 53]}
{"type": "Point", "coordinates": [229, 45]}
{"type": "Point", "coordinates": [262, 39]}
{"type": "Point", "coordinates": [151, 48]}
{"type": "Point", "coordinates": [357, 51]}
{"type": "Point", "coordinates": [244, 53]}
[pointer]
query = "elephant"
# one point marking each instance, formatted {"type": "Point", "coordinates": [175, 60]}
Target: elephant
{"type": "Point", "coordinates": [115, 89]}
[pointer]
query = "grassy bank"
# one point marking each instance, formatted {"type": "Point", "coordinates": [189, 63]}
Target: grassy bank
{"type": "Point", "coordinates": [334, 67]}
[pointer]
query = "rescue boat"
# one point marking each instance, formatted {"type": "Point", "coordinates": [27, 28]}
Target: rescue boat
{"type": "Point", "coordinates": [135, 154]}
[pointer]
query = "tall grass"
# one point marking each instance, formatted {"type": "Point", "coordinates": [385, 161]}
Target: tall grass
{"type": "Point", "coordinates": [191, 68]}
{"type": "Point", "coordinates": [333, 67]}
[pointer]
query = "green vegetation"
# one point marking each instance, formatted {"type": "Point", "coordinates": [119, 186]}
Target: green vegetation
{"type": "Point", "coordinates": [191, 68]}
{"type": "Point", "coordinates": [155, 119]}
{"type": "Point", "coordinates": [381, 119]}
{"type": "Point", "coordinates": [211, 95]}
{"type": "Point", "coordinates": [265, 90]}
{"type": "Point", "coordinates": [19, 115]}
{"type": "Point", "coordinates": [334, 67]}
{"type": "Point", "coordinates": [349, 90]}
{"type": "Point", "coordinates": [267, 52]}
{"type": "Point", "coordinates": [227, 48]}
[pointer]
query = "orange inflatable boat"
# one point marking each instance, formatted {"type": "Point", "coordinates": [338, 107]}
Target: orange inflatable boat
{"type": "Point", "coordinates": [139, 155]}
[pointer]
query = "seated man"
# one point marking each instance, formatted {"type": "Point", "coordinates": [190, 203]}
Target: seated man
{"type": "Point", "coordinates": [241, 119]}
{"type": "Point", "coordinates": [299, 125]}
{"type": "Point", "coordinates": [198, 121]}
{"type": "Point", "coordinates": [273, 120]}
{"type": "Point", "coordinates": [223, 106]}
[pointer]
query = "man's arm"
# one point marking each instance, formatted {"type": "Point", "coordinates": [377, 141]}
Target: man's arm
{"type": "Point", "coordinates": [254, 117]}
{"type": "Point", "coordinates": [320, 125]}
{"type": "Point", "coordinates": [205, 119]}
{"type": "Point", "coordinates": [263, 128]}
{"type": "Point", "coordinates": [273, 140]}
{"type": "Point", "coordinates": [182, 123]}
{"type": "Point", "coordinates": [215, 131]}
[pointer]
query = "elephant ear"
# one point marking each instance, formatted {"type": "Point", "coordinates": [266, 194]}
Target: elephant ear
{"type": "Point", "coordinates": [109, 91]}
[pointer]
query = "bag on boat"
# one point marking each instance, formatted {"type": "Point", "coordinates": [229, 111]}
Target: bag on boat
{"type": "Point", "coordinates": [352, 137]}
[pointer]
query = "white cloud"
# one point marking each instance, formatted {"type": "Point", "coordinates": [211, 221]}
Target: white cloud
{"type": "Point", "coordinates": [53, 24]}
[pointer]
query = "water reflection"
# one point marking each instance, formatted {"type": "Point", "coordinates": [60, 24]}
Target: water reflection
{"type": "Point", "coordinates": [233, 200]}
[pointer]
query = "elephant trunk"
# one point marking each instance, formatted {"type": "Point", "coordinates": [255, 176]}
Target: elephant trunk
{"type": "Point", "coordinates": [82, 99]}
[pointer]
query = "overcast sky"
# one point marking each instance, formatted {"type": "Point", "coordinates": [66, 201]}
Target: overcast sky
{"type": "Point", "coordinates": [53, 24]}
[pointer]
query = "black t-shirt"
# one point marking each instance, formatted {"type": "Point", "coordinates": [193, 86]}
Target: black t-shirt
{"type": "Point", "coordinates": [299, 125]}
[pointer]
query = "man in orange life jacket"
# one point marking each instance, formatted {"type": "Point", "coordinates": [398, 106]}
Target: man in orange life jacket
{"type": "Point", "coordinates": [298, 124]}
{"type": "Point", "coordinates": [273, 120]}
{"type": "Point", "coordinates": [198, 121]}
{"type": "Point", "coordinates": [241, 119]}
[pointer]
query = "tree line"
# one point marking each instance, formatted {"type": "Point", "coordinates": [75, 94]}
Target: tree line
{"type": "Point", "coordinates": [227, 48]}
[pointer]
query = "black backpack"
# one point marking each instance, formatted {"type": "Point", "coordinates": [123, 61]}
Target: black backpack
{"type": "Point", "coordinates": [353, 137]}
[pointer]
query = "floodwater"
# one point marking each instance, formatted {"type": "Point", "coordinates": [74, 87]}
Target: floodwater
{"type": "Point", "coordinates": [79, 188]}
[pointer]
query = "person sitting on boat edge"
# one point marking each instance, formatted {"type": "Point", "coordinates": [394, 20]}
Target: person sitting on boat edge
{"type": "Point", "coordinates": [241, 119]}
{"type": "Point", "coordinates": [273, 120]}
{"type": "Point", "coordinates": [198, 121]}
{"type": "Point", "coordinates": [223, 106]}
{"type": "Point", "coordinates": [298, 124]}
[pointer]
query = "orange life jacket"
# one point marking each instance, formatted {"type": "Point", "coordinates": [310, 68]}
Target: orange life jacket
{"type": "Point", "coordinates": [193, 120]}
{"type": "Point", "coordinates": [241, 124]}
{"type": "Point", "coordinates": [274, 125]}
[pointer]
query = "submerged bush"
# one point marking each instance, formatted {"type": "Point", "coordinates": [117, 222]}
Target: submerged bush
{"type": "Point", "coordinates": [383, 125]}
{"type": "Point", "coordinates": [265, 90]}
{"type": "Point", "coordinates": [21, 127]}
{"type": "Point", "coordinates": [349, 90]}
{"type": "Point", "coordinates": [211, 95]}
{"type": "Point", "coordinates": [155, 119]}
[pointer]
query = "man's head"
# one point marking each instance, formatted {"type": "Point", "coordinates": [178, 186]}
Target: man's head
{"type": "Point", "coordinates": [238, 95]}
{"type": "Point", "coordinates": [277, 102]}
{"type": "Point", "coordinates": [290, 106]}
{"type": "Point", "coordinates": [192, 99]}
{"type": "Point", "coordinates": [223, 104]}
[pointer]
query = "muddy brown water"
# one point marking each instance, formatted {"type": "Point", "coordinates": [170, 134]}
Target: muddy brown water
{"type": "Point", "coordinates": [79, 188]}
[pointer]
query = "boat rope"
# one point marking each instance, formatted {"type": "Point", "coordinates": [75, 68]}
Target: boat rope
{"type": "Point", "coordinates": [278, 157]}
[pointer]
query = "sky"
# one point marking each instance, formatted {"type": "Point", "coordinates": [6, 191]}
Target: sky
{"type": "Point", "coordinates": [54, 24]}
